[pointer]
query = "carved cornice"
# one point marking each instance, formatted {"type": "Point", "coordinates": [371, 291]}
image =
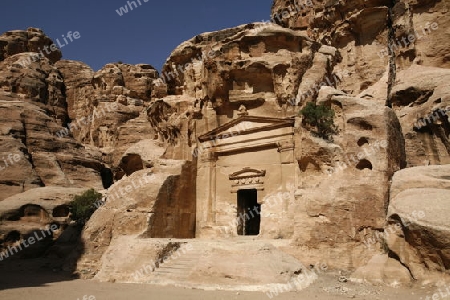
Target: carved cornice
{"type": "Point", "coordinates": [249, 173]}
{"type": "Point", "coordinates": [247, 178]}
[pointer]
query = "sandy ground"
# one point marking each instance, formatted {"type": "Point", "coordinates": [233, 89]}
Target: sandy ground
{"type": "Point", "coordinates": [57, 285]}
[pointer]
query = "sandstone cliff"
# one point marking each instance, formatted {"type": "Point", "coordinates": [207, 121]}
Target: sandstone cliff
{"type": "Point", "coordinates": [381, 45]}
{"type": "Point", "coordinates": [139, 136]}
{"type": "Point", "coordinates": [363, 31]}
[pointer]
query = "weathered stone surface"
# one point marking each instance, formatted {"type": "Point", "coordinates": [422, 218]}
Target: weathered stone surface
{"type": "Point", "coordinates": [43, 159]}
{"type": "Point", "coordinates": [33, 110]}
{"type": "Point", "coordinates": [152, 203]}
{"type": "Point", "coordinates": [421, 99]}
{"type": "Point", "coordinates": [383, 270]}
{"type": "Point", "coordinates": [112, 101]}
{"type": "Point", "coordinates": [361, 31]}
{"type": "Point", "coordinates": [418, 221]}
{"type": "Point", "coordinates": [204, 264]}
{"type": "Point", "coordinates": [47, 198]}
{"type": "Point", "coordinates": [216, 67]}
{"type": "Point", "coordinates": [116, 265]}
{"type": "Point", "coordinates": [338, 180]}
{"type": "Point", "coordinates": [138, 156]}
{"type": "Point", "coordinates": [353, 27]}
{"type": "Point", "coordinates": [219, 132]}
{"type": "Point", "coordinates": [17, 175]}
{"type": "Point", "coordinates": [138, 79]}
{"type": "Point", "coordinates": [79, 88]}
{"type": "Point", "coordinates": [30, 40]}
{"type": "Point", "coordinates": [38, 81]}
{"type": "Point", "coordinates": [30, 213]}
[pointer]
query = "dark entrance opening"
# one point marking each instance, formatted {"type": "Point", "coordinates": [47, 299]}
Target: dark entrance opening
{"type": "Point", "coordinates": [248, 212]}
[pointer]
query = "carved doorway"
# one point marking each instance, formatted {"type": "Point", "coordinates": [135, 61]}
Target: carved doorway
{"type": "Point", "coordinates": [248, 212]}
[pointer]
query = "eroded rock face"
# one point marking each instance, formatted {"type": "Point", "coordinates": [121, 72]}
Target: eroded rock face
{"type": "Point", "coordinates": [39, 216]}
{"type": "Point", "coordinates": [42, 159]}
{"type": "Point", "coordinates": [340, 179]}
{"type": "Point", "coordinates": [40, 171]}
{"type": "Point", "coordinates": [30, 40]}
{"type": "Point", "coordinates": [127, 118]}
{"type": "Point", "coordinates": [362, 30]}
{"type": "Point", "coordinates": [353, 27]}
{"type": "Point", "coordinates": [257, 69]}
{"type": "Point", "coordinates": [39, 165]}
{"type": "Point", "coordinates": [410, 38]}
{"type": "Point", "coordinates": [421, 99]}
{"type": "Point", "coordinates": [50, 109]}
{"type": "Point", "coordinates": [151, 203]}
{"type": "Point", "coordinates": [260, 66]}
{"type": "Point", "coordinates": [418, 223]}
{"type": "Point", "coordinates": [77, 78]}
{"type": "Point", "coordinates": [38, 81]}
{"type": "Point", "coordinates": [107, 108]}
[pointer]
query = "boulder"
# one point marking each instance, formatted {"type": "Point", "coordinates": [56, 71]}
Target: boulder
{"type": "Point", "coordinates": [418, 221]}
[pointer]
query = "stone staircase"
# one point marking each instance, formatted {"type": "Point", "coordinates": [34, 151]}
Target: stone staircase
{"type": "Point", "coordinates": [180, 264]}
{"type": "Point", "coordinates": [237, 264]}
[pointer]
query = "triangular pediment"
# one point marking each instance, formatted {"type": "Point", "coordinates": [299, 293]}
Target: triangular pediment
{"type": "Point", "coordinates": [246, 125]}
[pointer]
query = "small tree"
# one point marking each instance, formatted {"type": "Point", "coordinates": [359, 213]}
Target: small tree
{"type": "Point", "coordinates": [83, 206]}
{"type": "Point", "coordinates": [321, 118]}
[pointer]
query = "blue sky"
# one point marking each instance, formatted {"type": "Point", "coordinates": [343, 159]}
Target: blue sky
{"type": "Point", "coordinates": [147, 34]}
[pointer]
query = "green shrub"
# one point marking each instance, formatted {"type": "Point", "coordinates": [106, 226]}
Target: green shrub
{"type": "Point", "coordinates": [321, 118]}
{"type": "Point", "coordinates": [83, 206]}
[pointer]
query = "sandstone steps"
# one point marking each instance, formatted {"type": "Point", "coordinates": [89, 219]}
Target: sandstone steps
{"type": "Point", "coordinates": [235, 264]}
{"type": "Point", "coordinates": [180, 265]}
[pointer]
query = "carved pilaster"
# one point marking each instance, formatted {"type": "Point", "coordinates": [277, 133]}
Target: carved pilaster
{"type": "Point", "coordinates": [286, 149]}
{"type": "Point", "coordinates": [208, 159]}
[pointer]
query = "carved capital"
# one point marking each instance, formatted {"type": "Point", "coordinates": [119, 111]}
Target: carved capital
{"type": "Point", "coordinates": [284, 146]}
{"type": "Point", "coordinates": [208, 156]}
